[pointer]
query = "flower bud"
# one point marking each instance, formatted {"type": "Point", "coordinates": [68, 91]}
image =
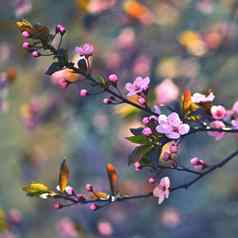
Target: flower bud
{"type": "Point", "coordinates": [35, 54]}
{"type": "Point", "coordinates": [26, 45]}
{"type": "Point", "coordinates": [83, 92]}
{"type": "Point", "coordinates": [25, 34]}
{"type": "Point", "coordinates": [107, 101]}
{"type": "Point", "coordinates": [113, 78]}
{"type": "Point", "coordinates": [60, 29]}
{"type": "Point", "coordinates": [151, 180]}
{"type": "Point", "coordinates": [147, 131]}
{"type": "Point", "coordinates": [93, 207]}
{"type": "Point", "coordinates": [137, 166]}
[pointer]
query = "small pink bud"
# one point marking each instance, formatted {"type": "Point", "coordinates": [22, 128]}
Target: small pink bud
{"type": "Point", "coordinates": [137, 166]}
{"type": "Point", "coordinates": [83, 92]}
{"type": "Point", "coordinates": [93, 207]}
{"type": "Point", "coordinates": [57, 205]}
{"type": "Point", "coordinates": [107, 101]}
{"type": "Point", "coordinates": [141, 100]}
{"type": "Point", "coordinates": [26, 45]}
{"type": "Point", "coordinates": [89, 187]}
{"type": "Point", "coordinates": [25, 34]}
{"type": "Point", "coordinates": [194, 161]}
{"type": "Point", "coordinates": [146, 120]}
{"type": "Point", "coordinates": [35, 54]}
{"type": "Point", "coordinates": [60, 29]}
{"type": "Point", "coordinates": [113, 78]}
{"type": "Point", "coordinates": [147, 131]}
{"type": "Point", "coordinates": [198, 164]}
{"type": "Point", "coordinates": [151, 180]}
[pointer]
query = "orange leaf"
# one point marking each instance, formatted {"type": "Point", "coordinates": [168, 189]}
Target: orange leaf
{"type": "Point", "coordinates": [63, 176]}
{"type": "Point", "coordinates": [187, 100]}
{"type": "Point", "coordinates": [112, 177]}
{"type": "Point", "coordinates": [100, 195]}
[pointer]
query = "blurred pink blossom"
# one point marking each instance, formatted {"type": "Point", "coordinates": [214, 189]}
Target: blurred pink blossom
{"type": "Point", "coordinates": [105, 228]}
{"type": "Point", "coordinates": [172, 126]}
{"type": "Point", "coordinates": [66, 228]}
{"type": "Point", "coordinates": [14, 216]}
{"type": "Point", "coordinates": [170, 217]}
{"type": "Point", "coordinates": [235, 109]}
{"type": "Point", "coordinates": [235, 123]}
{"type": "Point", "coordinates": [217, 125]}
{"type": "Point", "coordinates": [142, 65]}
{"type": "Point", "coordinates": [126, 39]}
{"type": "Point", "coordinates": [22, 7]}
{"type": "Point", "coordinates": [98, 6]}
{"type": "Point", "coordinates": [166, 92]}
{"type": "Point", "coordinates": [7, 234]}
{"type": "Point", "coordinates": [162, 190]}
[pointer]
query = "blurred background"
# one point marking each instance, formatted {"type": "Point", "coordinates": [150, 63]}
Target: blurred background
{"type": "Point", "coordinates": [178, 43]}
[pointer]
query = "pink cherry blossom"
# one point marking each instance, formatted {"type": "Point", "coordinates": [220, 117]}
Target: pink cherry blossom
{"type": "Point", "coordinates": [162, 190]}
{"type": "Point", "coordinates": [198, 164]}
{"type": "Point", "coordinates": [172, 126]}
{"type": "Point", "coordinates": [147, 131]}
{"type": "Point", "coordinates": [85, 50]}
{"type": "Point", "coordinates": [202, 98]}
{"type": "Point", "coordinates": [218, 112]}
{"type": "Point", "coordinates": [166, 92]}
{"type": "Point", "coordinates": [139, 85]}
{"type": "Point", "coordinates": [217, 125]}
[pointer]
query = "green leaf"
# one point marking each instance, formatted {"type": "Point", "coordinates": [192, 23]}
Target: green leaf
{"type": "Point", "coordinates": [138, 139]}
{"type": "Point", "coordinates": [62, 56]}
{"type": "Point", "coordinates": [138, 153]}
{"type": "Point", "coordinates": [53, 68]}
{"type": "Point", "coordinates": [100, 79]}
{"type": "Point", "coordinates": [35, 189]}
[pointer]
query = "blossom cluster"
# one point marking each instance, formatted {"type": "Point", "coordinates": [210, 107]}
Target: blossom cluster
{"type": "Point", "coordinates": [164, 124]}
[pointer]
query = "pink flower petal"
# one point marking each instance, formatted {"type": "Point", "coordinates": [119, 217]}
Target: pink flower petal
{"type": "Point", "coordinates": [184, 129]}
{"type": "Point", "coordinates": [173, 135]}
{"type": "Point", "coordinates": [164, 129]}
{"type": "Point", "coordinates": [174, 120]}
